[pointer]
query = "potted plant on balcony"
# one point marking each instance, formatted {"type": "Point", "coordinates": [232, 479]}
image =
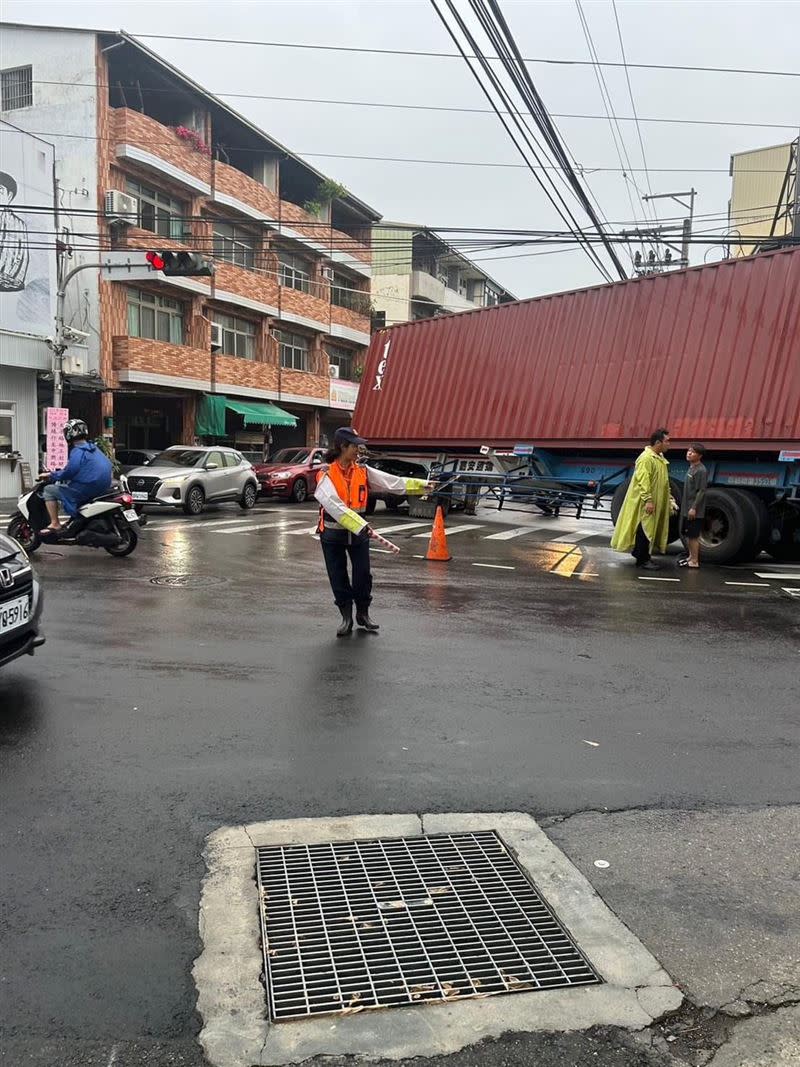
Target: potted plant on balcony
{"type": "Point", "coordinates": [327, 191]}
{"type": "Point", "coordinates": [193, 138]}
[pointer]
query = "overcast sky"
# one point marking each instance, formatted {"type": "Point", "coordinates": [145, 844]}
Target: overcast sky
{"type": "Point", "coordinates": [744, 34]}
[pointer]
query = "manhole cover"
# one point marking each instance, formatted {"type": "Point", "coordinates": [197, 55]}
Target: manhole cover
{"type": "Point", "coordinates": [374, 924]}
{"type": "Point", "coordinates": [187, 581]}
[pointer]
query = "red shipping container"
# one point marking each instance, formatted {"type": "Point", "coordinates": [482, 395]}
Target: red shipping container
{"type": "Point", "coordinates": [712, 353]}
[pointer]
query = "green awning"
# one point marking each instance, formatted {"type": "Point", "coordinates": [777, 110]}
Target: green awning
{"type": "Point", "coordinates": [210, 420]}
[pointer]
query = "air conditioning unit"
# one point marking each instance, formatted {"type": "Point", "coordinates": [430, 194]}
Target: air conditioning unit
{"type": "Point", "coordinates": [327, 274]}
{"type": "Point", "coordinates": [333, 371]}
{"type": "Point", "coordinates": [122, 207]}
{"type": "Point", "coordinates": [216, 337]}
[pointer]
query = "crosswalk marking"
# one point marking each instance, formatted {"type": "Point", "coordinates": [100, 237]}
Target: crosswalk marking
{"type": "Point", "coordinates": [507, 535]}
{"type": "Point", "coordinates": [456, 529]}
{"type": "Point", "coordinates": [401, 526]}
{"type": "Point", "coordinates": [494, 566]}
{"type": "Point", "coordinates": [276, 524]}
{"type": "Point", "coordinates": [752, 585]}
{"type": "Point", "coordinates": [579, 535]}
{"type": "Point", "coordinates": [305, 530]}
{"type": "Point", "coordinates": [785, 576]}
{"type": "Point", "coordinates": [648, 578]}
{"type": "Point", "coordinates": [188, 525]}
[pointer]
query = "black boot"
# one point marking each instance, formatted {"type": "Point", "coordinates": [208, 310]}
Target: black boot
{"type": "Point", "coordinates": [365, 622]}
{"type": "Point", "coordinates": [347, 622]}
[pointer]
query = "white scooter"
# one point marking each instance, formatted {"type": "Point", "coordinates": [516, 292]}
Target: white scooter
{"type": "Point", "coordinates": [108, 522]}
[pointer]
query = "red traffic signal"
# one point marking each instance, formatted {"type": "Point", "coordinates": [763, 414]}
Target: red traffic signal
{"type": "Point", "coordinates": [179, 264]}
{"type": "Point", "coordinates": [155, 260]}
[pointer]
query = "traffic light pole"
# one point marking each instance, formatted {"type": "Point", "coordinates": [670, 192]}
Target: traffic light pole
{"type": "Point", "coordinates": [59, 343]}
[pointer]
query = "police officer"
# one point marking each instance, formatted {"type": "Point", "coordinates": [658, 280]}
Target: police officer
{"type": "Point", "coordinates": [342, 491]}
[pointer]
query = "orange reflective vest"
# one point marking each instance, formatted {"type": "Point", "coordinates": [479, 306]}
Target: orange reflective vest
{"type": "Point", "coordinates": [351, 488]}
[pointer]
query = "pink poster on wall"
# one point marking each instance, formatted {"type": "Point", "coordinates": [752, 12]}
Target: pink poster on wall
{"type": "Point", "coordinates": [56, 445]}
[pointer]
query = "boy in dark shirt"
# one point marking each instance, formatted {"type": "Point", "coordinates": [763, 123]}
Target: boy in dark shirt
{"type": "Point", "coordinates": [693, 503]}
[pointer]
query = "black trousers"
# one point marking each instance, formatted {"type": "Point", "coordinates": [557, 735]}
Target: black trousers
{"type": "Point", "coordinates": [337, 545]}
{"type": "Point", "coordinates": [641, 548]}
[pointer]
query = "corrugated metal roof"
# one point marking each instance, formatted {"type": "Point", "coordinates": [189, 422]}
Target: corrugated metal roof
{"type": "Point", "coordinates": [711, 352]}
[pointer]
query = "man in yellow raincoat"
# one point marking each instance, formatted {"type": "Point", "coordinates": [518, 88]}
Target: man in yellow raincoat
{"type": "Point", "coordinates": [643, 523]}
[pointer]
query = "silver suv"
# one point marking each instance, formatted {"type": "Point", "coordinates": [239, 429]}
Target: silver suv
{"type": "Point", "coordinates": [190, 477]}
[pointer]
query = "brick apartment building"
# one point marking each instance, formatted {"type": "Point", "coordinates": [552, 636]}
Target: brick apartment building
{"type": "Point", "coordinates": [284, 321]}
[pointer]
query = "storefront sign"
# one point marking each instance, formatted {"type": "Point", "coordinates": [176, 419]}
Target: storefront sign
{"type": "Point", "coordinates": [56, 445]}
{"type": "Point", "coordinates": [343, 394]}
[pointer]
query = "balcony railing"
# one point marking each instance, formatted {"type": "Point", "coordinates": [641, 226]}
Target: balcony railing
{"type": "Point", "coordinates": [352, 299]}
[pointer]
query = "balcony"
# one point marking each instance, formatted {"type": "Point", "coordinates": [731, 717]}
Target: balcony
{"type": "Point", "coordinates": [425, 286]}
{"type": "Point", "coordinates": [230, 183]}
{"type": "Point", "coordinates": [233, 373]}
{"type": "Point", "coordinates": [251, 286]}
{"type": "Point", "coordinates": [138, 139]}
{"type": "Point", "coordinates": [139, 359]}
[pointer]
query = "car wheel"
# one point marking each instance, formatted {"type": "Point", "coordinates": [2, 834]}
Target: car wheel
{"type": "Point", "coordinates": [393, 503]}
{"type": "Point", "coordinates": [300, 491]}
{"type": "Point", "coordinates": [248, 497]}
{"type": "Point", "coordinates": [195, 501]}
{"type": "Point", "coordinates": [21, 530]}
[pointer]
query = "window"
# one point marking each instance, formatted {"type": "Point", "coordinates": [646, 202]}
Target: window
{"type": "Point", "coordinates": [294, 272]}
{"type": "Point", "coordinates": [216, 458]}
{"type": "Point", "coordinates": [232, 459]}
{"type": "Point", "coordinates": [7, 412]}
{"type": "Point", "coordinates": [159, 212]}
{"type": "Point", "coordinates": [342, 358]}
{"type": "Point", "coordinates": [16, 88]}
{"type": "Point", "coordinates": [234, 244]}
{"type": "Point", "coordinates": [344, 295]}
{"type": "Point", "coordinates": [294, 349]}
{"type": "Point", "coordinates": [238, 335]}
{"type": "Point", "coordinates": [157, 317]}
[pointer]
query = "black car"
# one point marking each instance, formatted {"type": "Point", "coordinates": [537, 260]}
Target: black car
{"type": "Point", "coordinates": [403, 469]}
{"type": "Point", "coordinates": [128, 458]}
{"type": "Point", "coordinates": [20, 603]}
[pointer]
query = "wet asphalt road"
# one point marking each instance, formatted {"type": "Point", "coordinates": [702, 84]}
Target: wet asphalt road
{"type": "Point", "coordinates": [156, 713]}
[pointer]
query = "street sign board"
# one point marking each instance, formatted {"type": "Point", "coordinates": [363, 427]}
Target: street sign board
{"type": "Point", "coordinates": [56, 445]}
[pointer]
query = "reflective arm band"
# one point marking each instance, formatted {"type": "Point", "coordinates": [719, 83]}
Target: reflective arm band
{"type": "Point", "coordinates": [415, 486]}
{"type": "Point", "coordinates": [351, 521]}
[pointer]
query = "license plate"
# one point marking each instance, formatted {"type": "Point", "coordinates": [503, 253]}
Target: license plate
{"type": "Point", "coordinates": [14, 613]}
{"type": "Point", "coordinates": [130, 515]}
{"type": "Point", "coordinates": [139, 496]}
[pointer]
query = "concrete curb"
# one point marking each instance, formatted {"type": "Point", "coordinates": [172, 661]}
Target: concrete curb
{"type": "Point", "coordinates": [231, 997]}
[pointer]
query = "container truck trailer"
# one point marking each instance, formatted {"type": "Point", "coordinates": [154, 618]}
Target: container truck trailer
{"type": "Point", "coordinates": [550, 399]}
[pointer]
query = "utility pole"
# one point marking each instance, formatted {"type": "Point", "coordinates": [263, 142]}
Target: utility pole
{"type": "Point", "coordinates": [653, 265]}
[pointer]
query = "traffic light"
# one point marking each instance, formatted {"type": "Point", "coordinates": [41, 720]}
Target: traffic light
{"type": "Point", "coordinates": [179, 264]}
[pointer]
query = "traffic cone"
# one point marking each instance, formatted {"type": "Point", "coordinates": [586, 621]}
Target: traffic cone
{"type": "Point", "coordinates": [437, 548]}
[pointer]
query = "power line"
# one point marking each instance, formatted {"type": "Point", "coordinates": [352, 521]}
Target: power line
{"type": "Point", "coordinates": [452, 55]}
{"type": "Point", "coordinates": [590, 168]}
{"type": "Point", "coordinates": [441, 107]}
{"type": "Point", "coordinates": [563, 211]}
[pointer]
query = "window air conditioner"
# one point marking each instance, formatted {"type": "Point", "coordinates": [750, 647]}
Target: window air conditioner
{"type": "Point", "coordinates": [216, 337]}
{"type": "Point", "coordinates": [74, 363]}
{"type": "Point", "coordinates": [333, 370]}
{"type": "Point", "coordinates": [121, 207]}
{"type": "Point", "coordinates": [327, 274]}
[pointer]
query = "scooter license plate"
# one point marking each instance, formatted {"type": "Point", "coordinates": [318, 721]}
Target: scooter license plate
{"type": "Point", "coordinates": [139, 496]}
{"type": "Point", "coordinates": [130, 515]}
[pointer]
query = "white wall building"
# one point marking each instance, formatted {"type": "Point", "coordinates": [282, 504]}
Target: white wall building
{"type": "Point", "coordinates": [27, 293]}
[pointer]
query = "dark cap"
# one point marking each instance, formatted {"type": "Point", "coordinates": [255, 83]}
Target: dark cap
{"type": "Point", "coordinates": [8, 183]}
{"type": "Point", "coordinates": [346, 435]}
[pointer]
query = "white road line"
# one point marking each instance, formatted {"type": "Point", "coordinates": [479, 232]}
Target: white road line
{"type": "Point", "coordinates": [401, 526]}
{"type": "Point", "coordinates": [494, 566]}
{"type": "Point", "coordinates": [580, 535]}
{"type": "Point", "coordinates": [792, 590]}
{"type": "Point", "coordinates": [279, 524]}
{"type": "Point", "coordinates": [189, 525]}
{"type": "Point", "coordinates": [647, 578]}
{"type": "Point", "coordinates": [520, 531]}
{"type": "Point", "coordinates": [456, 529]}
{"type": "Point", "coordinates": [752, 585]}
{"type": "Point", "coordinates": [783, 576]}
{"type": "Point", "coordinates": [305, 530]}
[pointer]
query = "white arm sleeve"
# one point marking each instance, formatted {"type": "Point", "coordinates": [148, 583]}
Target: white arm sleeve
{"type": "Point", "coordinates": [382, 482]}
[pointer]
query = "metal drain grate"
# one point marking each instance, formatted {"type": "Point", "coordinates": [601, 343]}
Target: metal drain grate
{"type": "Point", "coordinates": [187, 581]}
{"type": "Point", "coordinates": [375, 924]}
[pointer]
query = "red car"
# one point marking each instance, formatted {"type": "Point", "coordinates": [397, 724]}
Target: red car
{"type": "Point", "coordinates": [291, 473]}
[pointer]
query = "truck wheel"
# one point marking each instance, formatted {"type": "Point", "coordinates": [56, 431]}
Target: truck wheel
{"type": "Point", "coordinates": [618, 499]}
{"type": "Point", "coordinates": [759, 516]}
{"type": "Point", "coordinates": [786, 527]}
{"type": "Point", "coordinates": [730, 528]}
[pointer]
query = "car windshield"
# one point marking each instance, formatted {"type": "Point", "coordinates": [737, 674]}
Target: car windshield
{"type": "Point", "coordinates": [178, 457]}
{"type": "Point", "coordinates": [290, 455]}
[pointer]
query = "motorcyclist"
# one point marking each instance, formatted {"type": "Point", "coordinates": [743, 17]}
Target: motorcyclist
{"type": "Point", "coordinates": [87, 475]}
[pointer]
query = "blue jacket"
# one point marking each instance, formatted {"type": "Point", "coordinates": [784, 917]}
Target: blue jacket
{"type": "Point", "coordinates": [87, 474]}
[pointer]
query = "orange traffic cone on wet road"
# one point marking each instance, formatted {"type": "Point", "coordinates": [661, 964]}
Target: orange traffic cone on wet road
{"type": "Point", "coordinates": [437, 548]}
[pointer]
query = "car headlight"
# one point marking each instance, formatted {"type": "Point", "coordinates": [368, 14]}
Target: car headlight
{"type": "Point", "coordinates": [174, 483]}
{"type": "Point", "coordinates": [283, 477]}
